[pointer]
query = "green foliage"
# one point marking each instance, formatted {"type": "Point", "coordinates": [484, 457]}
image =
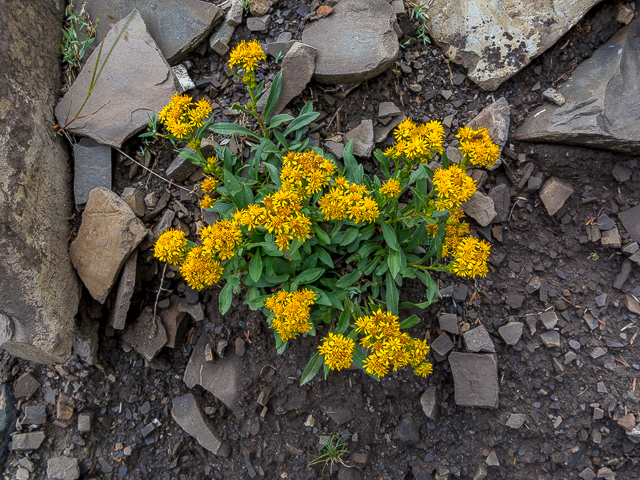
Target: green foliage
{"type": "Point", "coordinates": [78, 35]}
{"type": "Point", "coordinates": [419, 14]}
{"type": "Point", "coordinates": [331, 453]}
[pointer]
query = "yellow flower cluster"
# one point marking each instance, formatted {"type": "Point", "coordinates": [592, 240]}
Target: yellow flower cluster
{"type": "Point", "coordinates": [200, 269]}
{"type": "Point", "coordinates": [337, 351]}
{"type": "Point", "coordinates": [470, 258]}
{"type": "Point", "coordinates": [454, 187]}
{"type": "Point", "coordinates": [170, 247]}
{"type": "Point", "coordinates": [182, 117]}
{"type": "Point", "coordinates": [389, 347]}
{"type": "Point", "coordinates": [206, 202]}
{"type": "Point", "coordinates": [246, 55]}
{"type": "Point", "coordinates": [390, 188]}
{"type": "Point", "coordinates": [208, 185]}
{"type": "Point", "coordinates": [305, 173]}
{"type": "Point", "coordinates": [477, 147]}
{"type": "Point", "coordinates": [454, 231]}
{"type": "Point", "coordinates": [221, 239]}
{"type": "Point", "coordinates": [348, 200]}
{"type": "Point", "coordinates": [417, 142]}
{"type": "Point", "coordinates": [291, 312]}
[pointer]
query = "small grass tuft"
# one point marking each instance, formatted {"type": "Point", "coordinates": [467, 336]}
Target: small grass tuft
{"type": "Point", "coordinates": [332, 452]}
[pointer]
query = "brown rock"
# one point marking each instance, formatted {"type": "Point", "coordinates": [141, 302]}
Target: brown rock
{"type": "Point", "coordinates": [627, 422]}
{"type": "Point", "coordinates": [475, 377]}
{"type": "Point", "coordinates": [259, 7]}
{"type": "Point", "coordinates": [187, 413]}
{"type": "Point", "coordinates": [25, 386]}
{"type": "Point", "coordinates": [146, 335]}
{"type": "Point", "coordinates": [64, 407]}
{"type": "Point", "coordinates": [554, 193]}
{"type": "Point", "coordinates": [110, 231]}
{"type": "Point", "coordinates": [174, 324]}
{"type": "Point", "coordinates": [135, 82]}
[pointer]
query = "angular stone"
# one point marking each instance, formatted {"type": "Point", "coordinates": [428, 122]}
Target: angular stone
{"type": "Point", "coordinates": [533, 285]}
{"type": "Point", "coordinates": [516, 420]}
{"type": "Point", "coordinates": [135, 199]}
{"type": "Point", "coordinates": [552, 95]}
{"type": "Point", "coordinates": [429, 403]}
{"type": "Point", "coordinates": [496, 118]}
{"type": "Point", "coordinates": [335, 148]}
{"type": "Point", "coordinates": [259, 24]}
{"type": "Point", "coordinates": [25, 386]}
{"type": "Point", "coordinates": [549, 319]}
{"type": "Point", "coordinates": [195, 310]}
{"type": "Point", "coordinates": [631, 303]}
{"type": "Point", "coordinates": [34, 415]}
{"type": "Point", "coordinates": [478, 340]}
{"type": "Point", "coordinates": [362, 137]}
{"type": "Point", "coordinates": [259, 7]}
{"type": "Point", "coordinates": [606, 473]}
{"type": "Point", "coordinates": [492, 459]}
{"type": "Point", "coordinates": [449, 323]}
{"type": "Point", "coordinates": [475, 378]}
{"type": "Point", "coordinates": [63, 468]}
{"type": "Point", "coordinates": [182, 75]}
{"type": "Point", "coordinates": [126, 286]}
{"type": "Point", "coordinates": [219, 41]}
{"type": "Point", "coordinates": [181, 169]}
{"type": "Point", "coordinates": [515, 301]}
{"type": "Point", "coordinates": [442, 345]}
{"type": "Point", "coordinates": [297, 69]}
{"type": "Point", "coordinates": [605, 223]}
{"type": "Point", "coordinates": [481, 474]}
{"type": "Point", "coordinates": [92, 168]}
{"type": "Point", "coordinates": [587, 474]}
{"type": "Point", "coordinates": [603, 102]}
{"type": "Point", "coordinates": [135, 82]}
{"type": "Point", "coordinates": [501, 202]}
{"type": "Point", "coordinates": [554, 193]}
{"type": "Point", "coordinates": [511, 332]}
{"type": "Point", "coordinates": [8, 415]}
{"type": "Point", "coordinates": [27, 441]}
{"type": "Point", "coordinates": [221, 378]}
{"type": "Point", "coordinates": [381, 132]}
{"type": "Point", "coordinates": [622, 277]}
{"type": "Point", "coordinates": [621, 173]}
{"type": "Point", "coordinates": [550, 338]}
{"type": "Point", "coordinates": [632, 249]}
{"type": "Point", "coordinates": [110, 231]}
{"type": "Point", "coordinates": [84, 422]}
{"type": "Point", "coordinates": [388, 109]}
{"type": "Point", "coordinates": [355, 43]}
{"type": "Point", "coordinates": [340, 416]}
{"type": "Point", "coordinates": [40, 290]}
{"type": "Point", "coordinates": [146, 335]}
{"type": "Point", "coordinates": [407, 431]}
{"type": "Point", "coordinates": [178, 26]}
{"type": "Point", "coordinates": [631, 222]}
{"type": "Point", "coordinates": [174, 323]}
{"type": "Point", "coordinates": [611, 238]}
{"type": "Point", "coordinates": [85, 340]}
{"type": "Point", "coordinates": [64, 407]}
{"type": "Point", "coordinates": [480, 208]}
{"type": "Point", "coordinates": [187, 413]}
{"type": "Point", "coordinates": [493, 51]}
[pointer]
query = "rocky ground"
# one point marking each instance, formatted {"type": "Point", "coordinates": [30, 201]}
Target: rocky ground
{"type": "Point", "coordinates": [535, 365]}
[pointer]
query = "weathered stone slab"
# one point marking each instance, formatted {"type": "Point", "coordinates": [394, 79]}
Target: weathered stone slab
{"type": "Point", "coordinates": [177, 26]}
{"type": "Point", "coordinates": [173, 321]}
{"type": "Point", "coordinates": [495, 39]}
{"type": "Point", "coordinates": [135, 82]}
{"type": "Point", "coordinates": [126, 285]}
{"type": "Point", "coordinates": [187, 413]}
{"type": "Point", "coordinates": [362, 137]}
{"type": "Point", "coordinates": [147, 335]}
{"type": "Point", "coordinates": [631, 222]}
{"type": "Point", "coordinates": [476, 379]}
{"type": "Point", "coordinates": [480, 208]}
{"type": "Point", "coordinates": [355, 43]}
{"type": "Point", "coordinates": [92, 168]}
{"type": "Point", "coordinates": [602, 106]}
{"type": "Point", "coordinates": [554, 193]}
{"type": "Point", "coordinates": [40, 290]}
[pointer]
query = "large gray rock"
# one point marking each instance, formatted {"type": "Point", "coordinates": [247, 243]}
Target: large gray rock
{"type": "Point", "coordinates": [496, 39]}
{"type": "Point", "coordinates": [221, 378]}
{"type": "Point", "coordinates": [40, 290]}
{"type": "Point", "coordinates": [355, 43]}
{"type": "Point", "coordinates": [178, 26]}
{"type": "Point", "coordinates": [135, 82]}
{"type": "Point", "coordinates": [297, 69]}
{"type": "Point", "coordinates": [63, 468]}
{"type": "Point", "coordinates": [92, 168]}
{"type": "Point", "coordinates": [187, 413]}
{"type": "Point", "coordinates": [110, 231]}
{"type": "Point", "coordinates": [480, 208]}
{"type": "Point", "coordinates": [475, 377]}
{"type": "Point", "coordinates": [602, 106]}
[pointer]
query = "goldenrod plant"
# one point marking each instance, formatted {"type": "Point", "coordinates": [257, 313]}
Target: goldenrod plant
{"type": "Point", "coordinates": [321, 248]}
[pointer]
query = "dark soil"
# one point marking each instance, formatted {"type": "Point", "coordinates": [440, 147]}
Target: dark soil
{"type": "Point", "coordinates": [126, 395]}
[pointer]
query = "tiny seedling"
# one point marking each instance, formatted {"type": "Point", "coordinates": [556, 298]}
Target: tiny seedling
{"type": "Point", "coordinates": [245, 5]}
{"type": "Point", "coordinates": [279, 56]}
{"type": "Point", "coordinates": [332, 452]}
{"type": "Point", "coordinates": [419, 13]}
{"type": "Point", "coordinates": [594, 256]}
{"type": "Point", "coordinates": [79, 34]}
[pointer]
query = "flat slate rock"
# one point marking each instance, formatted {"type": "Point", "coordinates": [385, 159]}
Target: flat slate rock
{"type": "Point", "coordinates": [554, 193]}
{"type": "Point", "coordinates": [480, 208]}
{"type": "Point", "coordinates": [603, 100]}
{"type": "Point", "coordinates": [475, 378]}
{"type": "Point", "coordinates": [511, 332]}
{"type": "Point", "coordinates": [494, 40]}
{"type": "Point", "coordinates": [25, 386]}
{"type": "Point", "coordinates": [631, 222]}
{"type": "Point", "coordinates": [355, 43]}
{"type": "Point", "coordinates": [177, 26]}
{"type": "Point", "coordinates": [188, 414]}
{"type": "Point", "coordinates": [119, 310]}
{"type": "Point", "coordinates": [478, 340]}
{"type": "Point", "coordinates": [92, 168]}
{"type": "Point", "coordinates": [109, 232]}
{"type": "Point", "coordinates": [135, 82]}
{"type": "Point", "coordinates": [147, 335]}
{"type": "Point", "coordinates": [220, 377]}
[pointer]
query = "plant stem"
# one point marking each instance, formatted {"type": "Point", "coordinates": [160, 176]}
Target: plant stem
{"type": "Point", "coordinates": [254, 109]}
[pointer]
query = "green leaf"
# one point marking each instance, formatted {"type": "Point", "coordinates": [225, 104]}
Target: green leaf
{"type": "Point", "coordinates": [384, 162]}
{"type": "Point", "coordinates": [192, 156]}
{"type": "Point", "coordinates": [280, 137]}
{"type": "Point", "coordinates": [274, 96]}
{"type": "Point", "coordinates": [343, 322]}
{"type": "Point", "coordinates": [309, 276]}
{"type": "Point", "coordinates": [368, 248]}
{"type": "Point", "coordinates": [301, 121]}
{"type": "Point", "coordinates": [349, 280]}
{"type": "Point", "coordinates": [312, 368]}
{"type": "Point", "coordinates": [445, 160]}
{"type": "Point", "coordinates": [390, 236]}
{"type": "Point", "coordinates": [326, 371]}
{"type": "Point", "coordinates": [243, 109]}
{"type": "Point", "coordinates": [279, 120]}
{"type": "Point", "coordinates": [391, 297]}
{"type": "Point", "coordinates": [350, 163]}
{"type": "Point", "coordinates": [409, 322]}
{"type": "Point", "coordinates": [321, 234]}
{"type": "Point", "coordinates": [231, 183]}
{"type": "Point", "coordinates": [255, 267]}
{"type": "Point", "coordinates": [349, 236]}
{"type": "Point", "coordinates": [232, 129]}
{"type": "Point", "coordinates": [395, 262]}
{"type": "Point", "coordinates": [225, 297]}
{"type": "Point", "coordinates": [324, 257]}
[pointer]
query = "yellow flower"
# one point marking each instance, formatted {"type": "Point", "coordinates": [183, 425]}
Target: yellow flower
{"type": "Point", "coordinates": [454, 187]}
{"type": "Point", "coordinates": [477, 146]}
{"type": "Point", "coordinates": [170, 247]}
{"type": "Point", "coordinates": [200, 269]}
{"type": "Point", "coordinates": [206, 202]}
{"type": "Point", "coordinates": [253, 216]}
{"type": "Point", "coordinates": [305, 173]}
{"type": "Point", "coordinates": [181, 117]}
{"type": "Point", "coordinates": [470, 258]}
{"type": "Point", "coordinates": [291, 312]}
{"type": "Point", "coordinates": [247, 55]}
{"type": "Point", "coordinates": [222, 238]}
{"type": "Point", "coordinates": [337, 351]}
{"type": "Point", "coordinates": [208, 185]}
{"type": "Point", "coordinates": [423, 369]}
{"type": "Point", "coordinates": [348, 200]}
{"type": "Point", "coordinates": [376, 364]}
{"type": "Point", "coordinates": [390, 188]}
{"type": "Point", "coordinates": [417, 142]}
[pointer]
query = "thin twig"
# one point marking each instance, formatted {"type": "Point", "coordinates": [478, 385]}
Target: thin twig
{"type": "Point", "coordinates": [155, 305]}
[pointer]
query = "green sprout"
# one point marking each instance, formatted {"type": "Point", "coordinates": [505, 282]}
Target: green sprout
{"type": "Point", "coordinates": [79, 34]}
{"type": "Point", "coordinates": [419, 13]}
{"type": "Point", "coordinates": [594, 256]}
{"type": "Point", "coordinates": [332, 452]}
